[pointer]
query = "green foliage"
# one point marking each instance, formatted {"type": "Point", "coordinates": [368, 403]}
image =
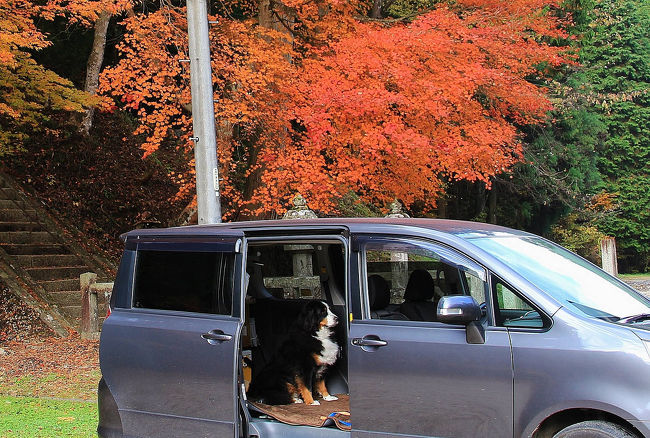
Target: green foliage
{"type": "Point", "coordinates": [616, 56]}
{"type": "Point", "coordinates": [580, 237]}
{"type": "Point", "coordinates": [409, 8]}
{"type": "Point", "coordinates": [350, 205]}
{"type": "Point", "coordinates": [30, 97]}
{"type": "Point", "coordinates": [631, 222]}
{"type": "Point", "coordinates": [599, 136]}
{"type": "Point", "coordinates": [33, 417]}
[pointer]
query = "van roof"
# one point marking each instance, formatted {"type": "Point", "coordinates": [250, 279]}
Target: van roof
{"type": "Point", "coordinates": [463, 229]}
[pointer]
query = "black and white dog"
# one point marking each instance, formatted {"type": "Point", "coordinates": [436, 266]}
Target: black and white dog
{"type": "Point", "coordinates": [296, 371]}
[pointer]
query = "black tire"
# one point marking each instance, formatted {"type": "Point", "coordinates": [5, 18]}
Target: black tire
{"type": "Point", "coordinates": [594, 429]}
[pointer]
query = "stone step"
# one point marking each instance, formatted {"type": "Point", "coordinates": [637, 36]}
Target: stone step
{"type": "Point", "coordinates": [34, 249]}
{"type": "Point", "coordinates": [57, 272]}
{"type": "Point", "coordinates": [7, 203]}
{"type": "Point", "coordinates": [72, 313]}
{"type": "Point", "coordinates": [73, 298]}
{"type": "Point", "coordinates": [26, 237]}
{"type": "Point", "coordinates": [19, 226]}
{"type": "Point", "coordinates": [36, 261]}
{"type": "Point", "coordinates": [16, 214]}
{"type": "Point", "coordinates": [8, 193]}
{"type": "Point", "coordinates": [60, 285]}
{"type": "Point", "coordinates": [65, 298]}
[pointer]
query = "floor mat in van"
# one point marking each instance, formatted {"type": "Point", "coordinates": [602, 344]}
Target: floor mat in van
{"type": "Point", "coordinates": [335, 412]}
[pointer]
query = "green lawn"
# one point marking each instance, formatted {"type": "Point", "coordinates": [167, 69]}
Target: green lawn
{"type": "Point", "coordinates": [39, 417]}
{"type": "Point", "coordinates": [641, 276]}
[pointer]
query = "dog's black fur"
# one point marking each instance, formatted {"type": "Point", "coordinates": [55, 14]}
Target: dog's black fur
{"type": "Point", "coordinates": [296, 370]}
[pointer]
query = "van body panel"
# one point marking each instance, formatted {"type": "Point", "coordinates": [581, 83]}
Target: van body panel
{"type": "Point", "coordinates": [578, 363]}
{"type": "Point", "coordinates": [428, 381]}
{"type": "Point", "coordinates": [642, 426]}
{"type": "Point", "coordinates": [159, 366]}
{"type": "Point", "coordinates": [272, 429]}
{"type": "Point", "coordinates": [165, 377]}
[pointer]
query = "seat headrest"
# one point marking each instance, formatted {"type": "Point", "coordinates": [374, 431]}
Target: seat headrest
{"type": "Point", "coordinates": [420, 286]}
{"type": "Point", "coordinates": [378, 292]}
{"type": "Point", "coordinates": [256, 286]}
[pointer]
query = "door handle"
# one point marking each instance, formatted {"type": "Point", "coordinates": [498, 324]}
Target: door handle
{"type": "Point", "coordinates": [369, 341]}
{"type": "Point", "coordinates": [216, 336]}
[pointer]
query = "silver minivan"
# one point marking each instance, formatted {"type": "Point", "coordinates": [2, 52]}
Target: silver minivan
{"type": "Point", "coordinates": [448, 329]}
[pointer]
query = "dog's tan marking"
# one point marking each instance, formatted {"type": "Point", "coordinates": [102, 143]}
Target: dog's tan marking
{"type": "Point", "coordinates": [317, 359]}
{"type": "Point", "coordinates": [304, 392]}
{"type": "Point", "coordinates": [320, 387]}
{"type": "Point", "coordinates": [293, 391]}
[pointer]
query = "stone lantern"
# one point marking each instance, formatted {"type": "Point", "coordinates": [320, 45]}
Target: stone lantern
{"type": "Point", "coordinates": [305, 283]}
{"type": "Point", "coordinates": [396, 210]}
{"type": "Point", "coordinates": [399, 260]}
{"type": "Point", "coordinates": [299, 210]}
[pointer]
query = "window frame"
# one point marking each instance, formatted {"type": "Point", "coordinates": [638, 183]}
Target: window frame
{"type": "Point", "coordinates": [308, 239]}
{"type": "Point", "coordinates": [547, 320]}
{"type": "Point", "coordinates": [223, 244]}
{"type": "Point", "coordinates": [445, 251]}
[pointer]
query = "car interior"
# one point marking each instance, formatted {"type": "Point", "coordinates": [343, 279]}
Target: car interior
{"type": "Point", "coordinates": [281, 276]}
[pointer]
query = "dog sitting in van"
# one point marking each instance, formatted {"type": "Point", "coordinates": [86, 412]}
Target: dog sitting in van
{"type": "Point", "coordinates": [297, 369]}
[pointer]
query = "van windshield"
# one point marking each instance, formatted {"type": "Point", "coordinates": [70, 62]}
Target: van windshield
{"type": "Point", "coordinates": [573, 281]}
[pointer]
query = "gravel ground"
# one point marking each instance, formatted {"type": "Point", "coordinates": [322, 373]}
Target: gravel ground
{"type": "Point", "coordinates": [642, 285]}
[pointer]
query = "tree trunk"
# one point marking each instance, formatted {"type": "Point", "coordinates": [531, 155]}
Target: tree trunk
{"type": "Point", "coordinates": [94, 65]}
{"type": "Point", "coordinates": [376, 11]}
{"type": "Point", "coordinates": [442, 206]}
{"type": "Point", "coordinates": [492, 204]}
{"type": "Point", "coordinates": [479, 206]}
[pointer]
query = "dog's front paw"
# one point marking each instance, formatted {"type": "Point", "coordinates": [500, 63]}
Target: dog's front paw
{"type": "Point", "coordinates": [330, 398]}
{"type": "Point", "coordinates": [315, 403]}
{"type": "Point", "coordinates": [298, 400]}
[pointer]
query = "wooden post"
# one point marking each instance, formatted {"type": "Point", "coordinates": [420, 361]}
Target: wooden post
{"type": "Point", "coordinates": [608, 255]}
{"type": "Point", "coordinates": [89, 319]}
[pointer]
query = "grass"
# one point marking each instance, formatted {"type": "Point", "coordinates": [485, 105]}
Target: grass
{"type": "Point", "coordinates": [39, 417]}
{"type": "Point", "coordinates": [641, 276]}
{"type": "Point", "coordinates": [82, 385]}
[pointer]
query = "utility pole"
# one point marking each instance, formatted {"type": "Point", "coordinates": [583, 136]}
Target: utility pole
{"type": "Point", "coordinates": [205, 140]}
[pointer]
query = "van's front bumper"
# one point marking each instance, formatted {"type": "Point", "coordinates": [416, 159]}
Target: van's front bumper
{"type": "Point", "coordinates": [643, 427]}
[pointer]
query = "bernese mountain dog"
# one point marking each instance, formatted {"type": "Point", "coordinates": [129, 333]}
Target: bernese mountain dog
{"type": "Point", "coordinates": [296, 371]}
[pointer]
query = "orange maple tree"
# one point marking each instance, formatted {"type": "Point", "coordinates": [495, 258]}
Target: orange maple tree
{"type": "Point", "coordinates": [330, 103]}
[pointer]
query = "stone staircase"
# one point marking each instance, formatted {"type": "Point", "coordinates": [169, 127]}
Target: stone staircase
{"type": "Point", "coordinates": [41, 261]}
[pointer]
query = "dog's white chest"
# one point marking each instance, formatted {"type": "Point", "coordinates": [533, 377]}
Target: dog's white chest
{"type": "Point", "coordinates": [330, 351]}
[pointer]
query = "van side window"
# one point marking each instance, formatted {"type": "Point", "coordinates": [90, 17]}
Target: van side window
{"type": "Point", "coordinates": [513, 311]}
{"type": "Point", "coordinates": [200, 282]}
{"type": "Point", "coordinates": [406, 281]}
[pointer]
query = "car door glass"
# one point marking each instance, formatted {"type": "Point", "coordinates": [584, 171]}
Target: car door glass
{"type": "Point", "coordinates": [405, 281]}
{"type": "Point", "coordinates": [514, 311]}
{"type": "Point", "coordinates": [200, 282]}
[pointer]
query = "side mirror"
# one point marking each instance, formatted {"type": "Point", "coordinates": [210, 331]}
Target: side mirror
{"type": "Point", "coordinates": [462, 309]}
{"type": "Point", "coordinates": [458, 309]}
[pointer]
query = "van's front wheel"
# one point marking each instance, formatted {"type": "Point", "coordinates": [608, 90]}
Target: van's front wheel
{"type": "Point", "coordinates": [594, 429]}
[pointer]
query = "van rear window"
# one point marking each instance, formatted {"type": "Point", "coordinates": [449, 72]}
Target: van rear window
{"type": "Point", "coordinates": [200, 282]}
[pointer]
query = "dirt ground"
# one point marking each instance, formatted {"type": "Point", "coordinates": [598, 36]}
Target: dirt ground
{"type": "Point", "coordinates": [36, 363]}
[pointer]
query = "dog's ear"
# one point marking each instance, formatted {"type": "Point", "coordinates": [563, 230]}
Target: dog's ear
{"type": "Point", "coordinates": [309, 316]}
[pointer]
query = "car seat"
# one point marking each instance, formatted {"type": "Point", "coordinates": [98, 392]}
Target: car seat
{"type": "Point", "coordinates": [379, 299]}
{"type": "Point", "coordinates": [419, 291]}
